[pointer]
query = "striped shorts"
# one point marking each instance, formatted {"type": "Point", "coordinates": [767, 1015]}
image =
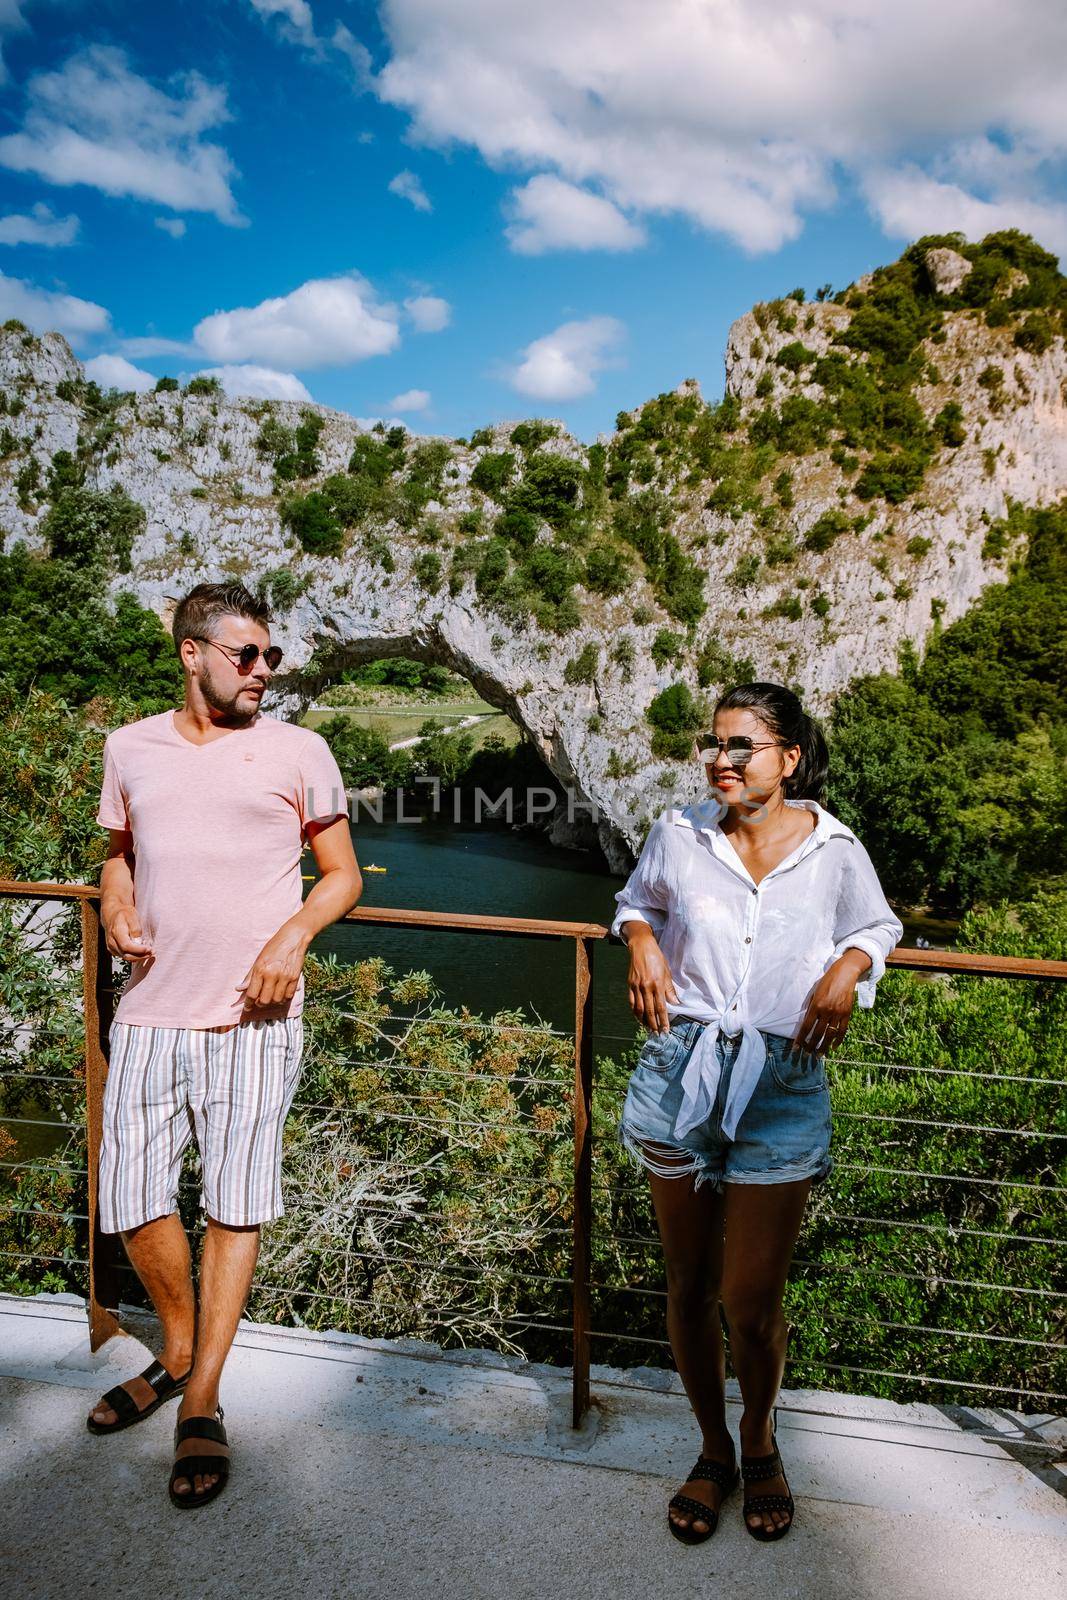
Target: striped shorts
{"type": "Point", "coordinates": [231, 1087]}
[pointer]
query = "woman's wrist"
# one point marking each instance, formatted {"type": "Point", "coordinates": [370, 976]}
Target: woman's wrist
{"type": "Point", "coordinates": [855, 962]}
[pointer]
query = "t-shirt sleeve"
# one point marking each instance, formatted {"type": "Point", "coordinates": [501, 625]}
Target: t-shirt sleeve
{"type": "Point", "coordinates": [112, 811]}
{"type": "Point", "coordinates": [321, 796]}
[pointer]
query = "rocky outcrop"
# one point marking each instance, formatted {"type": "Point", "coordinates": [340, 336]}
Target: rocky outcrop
{"type": "Point", "coordinates": [194, 462]}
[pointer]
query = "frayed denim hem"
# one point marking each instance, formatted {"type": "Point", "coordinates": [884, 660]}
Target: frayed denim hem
{"type": "Point", "coordinates": [689, 1164]}
{"type": "Point", "coordinates": [791, 1174]}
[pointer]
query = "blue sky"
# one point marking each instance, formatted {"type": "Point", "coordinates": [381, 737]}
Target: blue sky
{"type": "Point", "coordinates": [459, 211]}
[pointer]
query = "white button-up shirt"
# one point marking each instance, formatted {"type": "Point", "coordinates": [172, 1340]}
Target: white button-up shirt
{"type": "Point", "coordinates": [746, 956]}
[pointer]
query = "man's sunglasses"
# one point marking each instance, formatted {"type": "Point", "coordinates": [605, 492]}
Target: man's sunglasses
{"type": "Point", "coordinates": [245, 658]}
{"type": "Point", "coordinates": [739, 749]}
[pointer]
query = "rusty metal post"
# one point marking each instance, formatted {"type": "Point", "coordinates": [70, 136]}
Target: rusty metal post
{"type": "Point", "coordinates": [583, 1173]}
{"type": "Point", "coordinates": [104, 1249]}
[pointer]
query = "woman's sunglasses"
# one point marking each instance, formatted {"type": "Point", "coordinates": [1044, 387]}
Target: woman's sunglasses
{"type": "Point", "coordinates": [739, 749]}
{"type": "Point", "coordinates": [245, 658]}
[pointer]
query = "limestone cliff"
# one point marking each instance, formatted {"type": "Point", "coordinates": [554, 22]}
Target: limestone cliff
{"type": "Point", "coordinates": [773, 531]}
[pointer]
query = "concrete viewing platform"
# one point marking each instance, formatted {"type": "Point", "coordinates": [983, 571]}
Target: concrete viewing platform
{"type": "Point", "coordinates": [371, 1469]}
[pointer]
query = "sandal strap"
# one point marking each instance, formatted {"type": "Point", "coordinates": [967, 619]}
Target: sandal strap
{"type": "Point", "coordinates": [720, 1473]}
{"type": "Point", "coordinates": [122, 1403]}
{"type": "Point", "coordinates": [769, 1502]}
{"type": "Point", "coordinates": [160, 1381]}
{"type": "Point", "coordinates": [756, 1468]}
{"type": "Point", "coordinates": [694, 1508]}
{"type": "Point", "coordinates": [200, 1428]}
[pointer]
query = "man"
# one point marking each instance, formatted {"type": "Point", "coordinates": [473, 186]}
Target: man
{"type": "Point", "coordinates": [201, 891]}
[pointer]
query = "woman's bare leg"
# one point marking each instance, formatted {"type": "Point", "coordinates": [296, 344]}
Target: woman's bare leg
{"type": "Point", "coordinates": [691, 1229]}
{"type": "Point", "coordinates": [762, 1225]}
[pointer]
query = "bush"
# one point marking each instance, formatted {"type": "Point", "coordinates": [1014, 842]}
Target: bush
{"type": "Point", "coordinates": [426, 570]}
{"type": "Point", "coordinates": [312, 520]}
{"type": "Point", "coordinates": [675, 717]}
{"type": "Point", "coordinates": [822, 533]}
{"type": "Point", "coordinates": [531, 435]}
{"type": "Point", "coordinates": [551, 489]}
{"type": "Point", "coordinates": [893, 475]}
{"type": "Point", "coordinates": [87, 528]}
{"type": "Point", "coordinates": [1035, 335]}
{"type": "Point", "coordinates": [948, 425]}
{"type": "Point", "coordinates": [518, 527]}
{"type": "Point", "coordinates": [607, 571]}
{"type": "Point", "coordinates": [493, 472]}
{"type": "Point", "coordinates": [794, 356]}
{"type": "Point", "coordinates": [167, 386]}
{"type": "Point", "coordinates": [202, 384]}
{"type": "Point", "coordinates": [582, 667]}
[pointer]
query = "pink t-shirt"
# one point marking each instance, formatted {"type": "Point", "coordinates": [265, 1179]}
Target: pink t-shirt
{"type": "Point", "coordinates": [217, 834]}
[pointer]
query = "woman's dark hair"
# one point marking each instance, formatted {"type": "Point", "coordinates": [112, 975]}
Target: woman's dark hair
{"type": "Point", "coordinates": [781, 712]}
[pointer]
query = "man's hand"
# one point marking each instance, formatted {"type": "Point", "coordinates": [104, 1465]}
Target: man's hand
{"type": "Point", "coordinates": [826, 1020]}
{"type": "Point", "coordinates": [650, 982]}
{"type": "Point", "coordinates": [275, 973]}
{"type": "Point", "coordinates": [123, 935]}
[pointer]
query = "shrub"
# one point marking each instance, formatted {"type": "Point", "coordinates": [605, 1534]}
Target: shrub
{"type": "Point", "coordinates": [202, 384]}
{"type": "Point", "coordinates": [582, 667]}
{"type": "Point", "coordinates": [607, 571]}
{"type": "Point", "coordinates": [531, 435]}
{"type": "Point", "coordinates": [167, 386]}
{"type": "Point", "coordinates": [822, 533]}
{"type": "Point", "coordinates": [948, 425]}
{"type": "Point", "coordinates": [312, 520]}
{"type": "Point", "coordinates": [794, 356]}
{"type": "Point", "coordinates": [1035, 334]}
{"type": "Point", "coordinates": [375, 459]}
{"type": "Point", "coordinates": [88, 528]}
{"type": "Point", "coordinates": [426, 569]}
{"type": "Point", "coordinates": [918, 546]}
{"type": "Point", "coordinates": [494, 472]}
{"type": "Point", "coordinates": [666, 646]}
{"type": "Point", "coordinates": [893, 475]}
{"type": "Point", "coordinates": [481, 438]}
{"type": "Point", "coordinates": [551, 489]}
{"type": "Point", "coordinates": [518, 527]}
{"type": "Point", "coordinates": [675, 716]}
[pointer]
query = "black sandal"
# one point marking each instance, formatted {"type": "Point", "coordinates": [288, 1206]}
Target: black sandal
{"type": "Point", "coordinates": [125, 1407]}
{"type": "Point", "coordinates": [188, 1466]}
{"type": "Point", "coordinates": [722, 1473]}
{"type": "Point", "coordinates": [756, 1469]}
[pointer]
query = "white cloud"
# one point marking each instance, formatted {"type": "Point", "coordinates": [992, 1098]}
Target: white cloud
{"type": "Point", "coordinates": [409, 187]}
{"type": "Point", "coordinates": [326, 322]}
{"type": "Point", "coordinates": [548, 214]}
{"type": "Point", "coordinates": [114, 372]}
{"type": "Point", "coordinates": [737, 117]}
{"type": "Point", "coordinates": [259, 383]}
{"type": "Point", "coordinates": [42, 226]}
{"type": "Point", "coordinates": [11, 21]}
{"type": "Point", "coordinates": [150, 345]}
{"type": "Point", "coordinates": [909, 202]}
{"type": "Point", "coordinates": [46, 310]}
{"type": "Point", "coordinates": [295, 12]}
{"type": "Point", "coordinates": [175, 226]}
{"type": "Point", "coordinates": [357, 55]}
{"type": "Point", "coordinates": [428, 313]}
{"type": "Point", "coordinates": [94, 121]}
{"type": "Point", "coordinates": [562, 364]}
{"type": "Point", "coordinates": [411, 400]}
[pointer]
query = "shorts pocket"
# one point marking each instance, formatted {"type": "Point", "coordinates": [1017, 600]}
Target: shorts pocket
{"type": "Point", "coordinates": [661, 1051]}
{"type": "Point", "coordinates": [796, 1074]}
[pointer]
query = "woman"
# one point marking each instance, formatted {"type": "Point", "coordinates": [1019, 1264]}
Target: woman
{"type": "Point", "coordinates": [754, 921]}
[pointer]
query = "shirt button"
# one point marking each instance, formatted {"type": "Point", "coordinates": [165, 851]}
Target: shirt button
{"type": "Point", "coordinates": [749, 939]}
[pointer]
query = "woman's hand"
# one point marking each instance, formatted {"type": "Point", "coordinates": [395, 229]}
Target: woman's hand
{"type": "Point", "coordinates": [650, 982]}
{"type": "Point", "coordinates": [826, 1020]}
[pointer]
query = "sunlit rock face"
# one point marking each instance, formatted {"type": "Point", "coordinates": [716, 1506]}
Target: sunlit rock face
{"type": "Point", "coordinates": [581, 688]}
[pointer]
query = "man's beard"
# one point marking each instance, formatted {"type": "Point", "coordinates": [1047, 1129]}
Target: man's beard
{"type": "Point", "coordinates": [236, 707]}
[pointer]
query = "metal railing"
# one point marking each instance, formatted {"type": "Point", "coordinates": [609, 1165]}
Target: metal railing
{"type": "Point", "coordinates": [103, 1259]}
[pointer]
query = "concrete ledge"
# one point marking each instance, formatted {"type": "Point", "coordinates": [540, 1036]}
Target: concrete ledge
{"type": "Point", "coordinates": [401, 1470]}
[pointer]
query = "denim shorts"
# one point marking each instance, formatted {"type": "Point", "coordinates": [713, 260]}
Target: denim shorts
{"type": "Point", "coordinates": [784, 1131]}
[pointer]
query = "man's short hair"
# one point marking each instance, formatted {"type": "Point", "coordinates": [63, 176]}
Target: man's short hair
{"type": "Point", "coordinates": [199, 611]}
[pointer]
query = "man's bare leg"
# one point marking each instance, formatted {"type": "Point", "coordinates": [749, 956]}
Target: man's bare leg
{"type": "Point", "coordinates": [226, 1268]}
{"type": "Point", "coordinates": [159, 1251]}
